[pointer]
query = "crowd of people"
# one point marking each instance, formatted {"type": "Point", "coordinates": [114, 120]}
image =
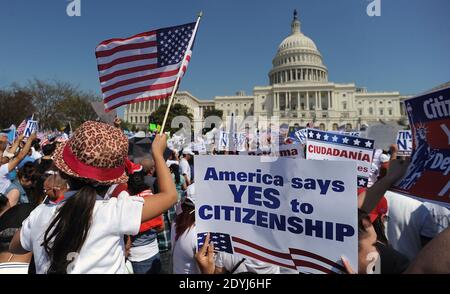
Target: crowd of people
{"type": "Point", "coordinates": [83, 206]}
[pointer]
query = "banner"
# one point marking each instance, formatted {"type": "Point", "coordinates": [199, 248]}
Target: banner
{"type": "Point", "coordinates": [297, 214]}
{"type": "Point", "coordinates": [32, 127]}
{"type": "Point", "coordinates": [428, 176]}
{"type": "Point", "coordinates": [333, 146]}
{"type": "Point", "coordinates": [404, 143]}
{"type": "Point", "coordinates": [290, 150]}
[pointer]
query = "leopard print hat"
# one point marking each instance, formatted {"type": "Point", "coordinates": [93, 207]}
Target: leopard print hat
{"type": "Point", "coordinates": [95, 152]}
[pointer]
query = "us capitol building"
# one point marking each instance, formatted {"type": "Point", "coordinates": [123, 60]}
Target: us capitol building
{"type": "Point", "coordinates": [299, 92]}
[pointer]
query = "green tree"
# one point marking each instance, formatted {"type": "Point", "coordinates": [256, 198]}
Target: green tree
{"type": "Point", "coordinates": [176, 110]}
{"type": "Point", "coordinates": [211, 112]}
{"type": "Point", "coordinates": [76, 109]}
{"type": "Point", "coordinates": [15, 106]}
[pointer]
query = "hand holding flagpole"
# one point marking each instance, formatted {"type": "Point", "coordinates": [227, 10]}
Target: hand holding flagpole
{"type": "Point", "coordinates": [191, 41]}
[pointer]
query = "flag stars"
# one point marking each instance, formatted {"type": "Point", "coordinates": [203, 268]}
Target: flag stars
{"type": "Point", "coordinates": [345, 140]}
{"type": "Point", "coordinates": [368, 144]}
{"type": "Point", "coordinates": [356, 142]}
{"type": "Point", "coordinates": [318, 135]}
{"type": "Point", "coordinates": [335, 138]}
{"type": "Point", "coordinates": [362, 182]}
{"type": "Point", "coordinates": [325, 137]}
{"type": "Point", "coordinates": [311, 134]}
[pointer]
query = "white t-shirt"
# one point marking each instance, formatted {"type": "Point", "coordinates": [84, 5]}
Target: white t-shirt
{"type": "Point", "coordinates": [144, 252]}
{"type": "Point", "coordinates": [408, 220]}
{"type": "Point", "coordinates": [4, 182]}
{"type": "Point", "coordinates": [183, 251]}
{"type": "Point", "coordinates": [185, 168]}
{"type": "Point", "coordinates": [229, 261]}
{"type": "Point", "coordinates": [440, 215]}
{"type": "Point", "coordinates": [103, 251]}
{"type": "Point", "coordinates": [14, 268]}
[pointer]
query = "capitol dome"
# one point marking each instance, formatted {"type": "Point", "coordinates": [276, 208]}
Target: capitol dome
{"type": "Point", "coordinates": [297, 59]}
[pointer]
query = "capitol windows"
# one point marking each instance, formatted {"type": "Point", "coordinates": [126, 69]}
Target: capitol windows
{"type": "Point", "coordinates": [294, 100]}
{"type": "Point", "coordinates": [359, 102]}
{"type": "Point", "coordinates": [390, 111]}
{"type": "Point", "coordinates": [324, 102]}
{"type": "Point", "coordinates": [360, 111]}
{"type": "Point", "coordinates": [381, 111]}
{"type": "Point", "coordinates": [282, 99]}
{"type": "Point", "coordinates": [302, 102]}
{"type": "Point", "coordinates": [370, 110]}
{"type": "Point", "coordinates": [344, 105]}
{"type": "Point", "coordinates": [262, 106]}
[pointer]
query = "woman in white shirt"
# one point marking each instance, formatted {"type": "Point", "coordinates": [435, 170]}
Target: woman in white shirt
{"type": "Point", "coordinates": [184, 240]}
{"type": "Point", "coordinates": [84, 232]}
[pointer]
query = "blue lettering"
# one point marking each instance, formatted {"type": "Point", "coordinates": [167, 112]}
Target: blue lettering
{"type": "Point", "coordinates": [343, 230]}
{"type": "Point", "coordinates": [270, 194]}
{"type": "Point", "coordinates": [202, 212]}
{"type": "Point", "coordinates": [237, 193]}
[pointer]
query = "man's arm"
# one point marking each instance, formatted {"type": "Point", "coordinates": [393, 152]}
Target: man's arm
{"type": "Point", "coordinates": [16, 160]}
{"type": "Point", "coordinates": [369, 199]}
{"type": "Point", "coordinates": [434, 258]}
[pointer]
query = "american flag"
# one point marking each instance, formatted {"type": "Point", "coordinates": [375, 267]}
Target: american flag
{"type": "Point", "coordinates": [296, 259]}
{"type": "Point", "coordinates": [21, 128]}
{"type": "Point", "coordinates": [145, 66]}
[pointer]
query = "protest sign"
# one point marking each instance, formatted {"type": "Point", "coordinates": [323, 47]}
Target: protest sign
{"type": "Point", "coordinates": [231, 141]}
{"type": "Point", "coordinates": [289, 150]}
{"type": "Point", "coordinates": [427, 176]}
{"type": "Point", "coordinates": [32, 127]}
{"type": "Point", "coordinates": [297, 214]}
{"type": "Point", "coordinates": [404, 143]}
{"type": "Point", "coordinates": [333, 146]}
{"type": "Point", "coordinates": [384, 135]}
{"type": "Point", "coordinates": [301, 135]}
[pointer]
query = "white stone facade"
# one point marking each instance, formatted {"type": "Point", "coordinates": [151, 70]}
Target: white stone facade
{"type": "Point", "coordinates": [298, 93]}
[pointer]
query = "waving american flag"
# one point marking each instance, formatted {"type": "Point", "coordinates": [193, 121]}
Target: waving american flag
{"type": "Point", "coordinates": [145, 66]}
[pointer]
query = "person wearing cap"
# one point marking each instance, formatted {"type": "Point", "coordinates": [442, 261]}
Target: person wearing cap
{"type": "Point", "coordinates": [144, 253]}
{"type": "Point", "coordinates": [85, 232]}
{"type": "Point", "coordinates": [184, 165]}
{"type": "Point", "coordinates": [10, 222]}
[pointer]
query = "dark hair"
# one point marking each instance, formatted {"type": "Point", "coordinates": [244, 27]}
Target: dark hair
{"type": "Point", "coordinates": [136, 183]}
{"type": "Point", "coordinates": [3, 201]}
{"type": "Point", "coordinates": [378, 225]}
{"type": "Point", "coordinates": [38, 193]}
{"type": "Point", "coordinates": [28, 171]}
{"type": "Point", "coordinates": [48, 149]}
{"type": "Point", "coordinates": [175, 169]}
{"type": "Point", "coordinates": [36, 145]}
{"type": "Point", "coordinates": [185, 220]}
{"type": "Point", "coordinates": [68, 230]}
{"type": "Point", "coordinates": [363, 223]}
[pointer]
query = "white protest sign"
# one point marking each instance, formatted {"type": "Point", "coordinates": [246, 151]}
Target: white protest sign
{"type": "Point", "coordinates": [32, 127]}
{"type": "Point", "coordinates": [299, 214]}
{"type": "Point", "coordinates": [288, 150]}
{"type": "Point", "coordinates": [223, 141]}
{"type": "Point", "coordinates": [301, 135]}
{"type": "Point", "coordinates": [333, 146]}
{"type": "Point", "coordinates": [237, 144]}
{"type": "Point", "coordinates": [404, 143]}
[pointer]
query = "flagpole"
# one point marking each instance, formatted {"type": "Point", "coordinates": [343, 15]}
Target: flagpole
{"type": "Point", "coordinates": [191, 41]}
